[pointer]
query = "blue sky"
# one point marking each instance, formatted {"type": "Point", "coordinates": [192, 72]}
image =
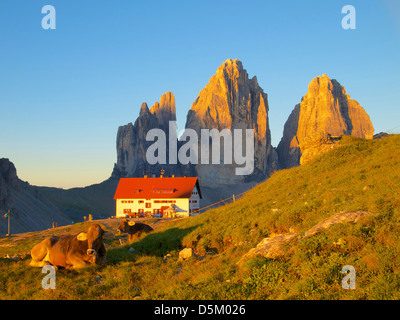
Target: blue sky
{"type": "Point", "coordinates": [65, 92]}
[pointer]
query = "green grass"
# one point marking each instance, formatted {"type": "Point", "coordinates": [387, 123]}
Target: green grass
{"type": "Point", "coordinates": [296, 198]}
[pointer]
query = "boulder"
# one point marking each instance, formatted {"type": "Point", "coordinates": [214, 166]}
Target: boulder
{"type": "Point", "coordinates": [186, 254]}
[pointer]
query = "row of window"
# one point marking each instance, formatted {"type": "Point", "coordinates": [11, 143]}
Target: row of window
{"type": "Point", "coordinates": [131, 201]}
{"type": "Point", "coordinates": [148, 204]}
{"type": "Point", "coordinates": [164, 201]}
{"type": "Point", "coordinates": [164, 191]}
{"type": "Point", "coordinates": [141, 211]}
{"type": "Point", "coordinates": [156, 211]}
{"type": "Point", "coordinates": [155, 201]}
{"type": "Point", "coordinates": [161, 191]}
{"type": "Point", "coordinates": [129, 211]}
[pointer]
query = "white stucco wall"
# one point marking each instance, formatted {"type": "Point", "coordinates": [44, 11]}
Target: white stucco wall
{"type": "Point", "coordinates": [182, 205]}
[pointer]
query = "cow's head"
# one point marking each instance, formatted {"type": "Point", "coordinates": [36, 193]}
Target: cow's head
{"type": "Point", "coordinates": [94, 236]}
{"type": "Point", "coordinates": [124, 225]}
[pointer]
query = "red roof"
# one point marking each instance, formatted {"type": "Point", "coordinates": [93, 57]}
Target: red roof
{"type": "Point", "coordinates": [156, 188]}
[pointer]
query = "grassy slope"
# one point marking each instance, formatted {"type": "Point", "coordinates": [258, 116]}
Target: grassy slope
{"type": "Point", "coordinates": [309, 270]}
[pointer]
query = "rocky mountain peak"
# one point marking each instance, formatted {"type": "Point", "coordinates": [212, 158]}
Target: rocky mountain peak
{"type": "Point", "coordinates": [9, 181]}
{"type": "Point", "coordinates": [231, 68]}
{"type": "Point", "coordinates": [325, 108]}
{"type": "Point", "coordinates": [231, 100]}
{"type": "Point", "coordinates": [144, 109]}
{"type": "Point", "coordinates": [131, 138]}
{"type": "Point", "coordinates": [8, 172]}
{"type": "Point", "coordinates": [165, 110]}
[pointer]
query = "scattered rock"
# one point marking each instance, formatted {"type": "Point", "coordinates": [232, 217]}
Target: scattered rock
{"type": "Point", "coordinates": [367, 187]}
{"type": "Point", "coordinates": [341, 217]}
{"type": "Point", "coordinates": [186, 253]}
{"type": "Point", "coordinates": [131, 250]}
{"type": "Point", "coordinates": [340, 242]}
{"type": "Point", "coordinates": [274, 245]}
{"type": "Point", "coordinates": [166, 257]}
{"type": "Point", "coordinates": [271, 247]}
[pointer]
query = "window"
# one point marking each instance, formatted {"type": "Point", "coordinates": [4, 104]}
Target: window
{"type": "Point", "coordinates": [159, 190]}
{"type": "Point", "coordinates": [127, 211]}
{"type": "Point", "coordinates": [148, 204]}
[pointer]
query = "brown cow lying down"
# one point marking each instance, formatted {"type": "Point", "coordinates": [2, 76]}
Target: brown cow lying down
{"type": "Point", "coordinates": [133, 229]}
{"type": "Point", "coordinates": [71, 251]}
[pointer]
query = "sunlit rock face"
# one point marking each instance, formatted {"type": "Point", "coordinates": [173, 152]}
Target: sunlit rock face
{"type": "Point", "coordinates": [325, 109]}
{"type": "Point", "coordinates": [233, 101]}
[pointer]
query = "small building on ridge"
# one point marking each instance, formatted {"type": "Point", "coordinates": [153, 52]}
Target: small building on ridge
{"type": "Point", "coordinates": [158, 196]}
